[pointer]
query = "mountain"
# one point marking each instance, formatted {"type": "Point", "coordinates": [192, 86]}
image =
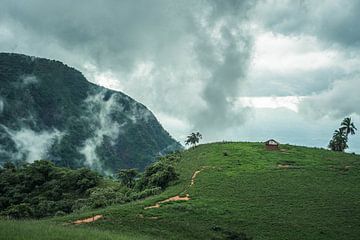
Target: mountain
{"type": "Point", "coordinates": [50, 111]}
{"type": "Point", "coordinates": [229, 191]}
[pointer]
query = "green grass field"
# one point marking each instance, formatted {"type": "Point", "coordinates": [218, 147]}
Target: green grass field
{"type": "Point", "coordinates": [294, 193]}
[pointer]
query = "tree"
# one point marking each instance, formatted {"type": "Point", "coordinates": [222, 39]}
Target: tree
{"type": "Point", "coordinates": [193, 138]}
{"type": "Point", "coordinates": [127, 176]}
{"type": "Point", "coordinates": [340, 136]}
{"type": "Point", "coordinates": [339, 141]}
{"type": "Point", "coordinates": [158, 174]}
{"type": "Point", "coordinates": [348, 127]}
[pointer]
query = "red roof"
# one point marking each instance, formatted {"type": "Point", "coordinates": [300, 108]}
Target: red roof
{"type": "Point", "coordinates": [271, 142]}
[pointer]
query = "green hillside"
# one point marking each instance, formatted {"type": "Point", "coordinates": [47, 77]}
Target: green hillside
{"type": "Point", "coordinates": [241, 191]}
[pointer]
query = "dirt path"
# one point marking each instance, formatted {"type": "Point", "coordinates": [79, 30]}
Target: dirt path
{"type": "Point", "coordinates": [88, 220]}
{"type": "Point", "coordinates": [178, 197]}
{"type": "Point", "coordinates": [172, 199]}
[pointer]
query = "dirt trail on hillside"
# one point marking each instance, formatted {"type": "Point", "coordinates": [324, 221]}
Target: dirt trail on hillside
{"type": "Point", "coordinates": [172, 199]}
{"type": "Point", "coordinates": [178, 197]}
{"type": "Point", "coordinates": [88, 220]}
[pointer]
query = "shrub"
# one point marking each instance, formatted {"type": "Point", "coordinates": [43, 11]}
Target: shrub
{"type": "Point", "coordinates": [22, 210]}
{"type": "Point", "coordinates": [159, 174]}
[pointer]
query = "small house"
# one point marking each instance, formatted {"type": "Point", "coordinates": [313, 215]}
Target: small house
{"type": "Point", "coordinates": [271, 144]}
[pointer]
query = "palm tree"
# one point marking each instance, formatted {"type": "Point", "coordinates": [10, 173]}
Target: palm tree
{"type": "Point", "coordinates": [193, 138]}
{"type": "Point", "coordinates": [348, 127]}
{"type": "Point", "coordinates": [339, 141]}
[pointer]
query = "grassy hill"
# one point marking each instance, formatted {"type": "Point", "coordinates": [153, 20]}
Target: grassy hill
{"type": "Point", "coordinates": [239, 189]}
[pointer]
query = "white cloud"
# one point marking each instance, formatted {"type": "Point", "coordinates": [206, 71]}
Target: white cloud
{"type": "Point", "coordinates": [288, 102]}
{"type": "Point", "coordinates": [1, 105]}
{"type": "Point", "coordinates": [29, 79]}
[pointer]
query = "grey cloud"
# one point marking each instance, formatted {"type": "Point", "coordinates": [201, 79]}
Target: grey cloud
{"type": "Point", "coordinates": [303, 83]}
{"type": "Point", "coordinates": [340, 100]}
{"type": "Point", "coordinates": [332, 21]}
{"type": "Point", "coordinates": [227, 68]}
{"type": "Point", "coordinates": [198, 51]}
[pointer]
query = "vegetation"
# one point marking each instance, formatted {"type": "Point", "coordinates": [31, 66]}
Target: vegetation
{"type": "Point", "coordinates": [41, 189]}
{"type": "Point", "coordinates": [127, 176]}
{"type": "Point", "coordinates": [340, 136]}
{"type": "Point", "coordinates": [293, 193]}
{"type": "Point", "coordinates": [193, 139]}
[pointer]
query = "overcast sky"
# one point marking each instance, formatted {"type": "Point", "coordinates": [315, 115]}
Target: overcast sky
{"type": "Point", "coordinates": [233, 70]}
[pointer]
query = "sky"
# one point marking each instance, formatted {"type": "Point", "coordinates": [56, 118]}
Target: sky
{"type": "Point", "coordinates": [234, 70]}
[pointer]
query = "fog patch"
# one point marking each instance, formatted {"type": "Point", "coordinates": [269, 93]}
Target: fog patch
{"type": "Point", "coordinates": [32, 145]}
{"type": "Point", "coordinates": [1, 105]}
{"type": "Point", "coordinates": [102, 125]}
{"type": "Point", "coordinates": [29, 79]}
{"type": "Point", "coordinates": [138, 112]}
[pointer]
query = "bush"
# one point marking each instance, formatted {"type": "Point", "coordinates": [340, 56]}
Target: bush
{"type": "Point", "coordinates": [22, 210]}
{"type": "Point", "coordinates": [145, 193]}
{"type": "Point", "coordinates": [159, 174]}
{"type": "Point", "coordinates": [41, 189]}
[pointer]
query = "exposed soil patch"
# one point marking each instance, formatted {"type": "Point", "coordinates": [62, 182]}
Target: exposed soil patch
{"type": "Point", "coordinates": [88, 220]}
{"type": "Point", "coordinates": [178, 197]}
{"type": "Point", "coordinates": [194, 176]}
{"type": "Point", "coordinates": [286, 166]}
{"type": "Point", "coordinates": [172, 199]}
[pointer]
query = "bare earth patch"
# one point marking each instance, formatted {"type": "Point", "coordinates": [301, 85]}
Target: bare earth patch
{"type": "Point", "coordinates": [194, 176]}
{"type": "Point", "coordinates": [172, 199]}
{"type": "Point", "coordinates": [178, 197]}
{"type": "Point", "coordinates": [284, 166]}
{"type": "Point", "coordinates": [88, 220]}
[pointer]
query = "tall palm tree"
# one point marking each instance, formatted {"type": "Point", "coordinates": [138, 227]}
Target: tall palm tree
{"type": "Point", "coordinates": [193, 138]}
{"type": "Point", "coordinates": [348, 127]}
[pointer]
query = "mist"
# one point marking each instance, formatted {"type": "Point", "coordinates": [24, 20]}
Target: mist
{"type": "Point", "coordinates": [32, 145]}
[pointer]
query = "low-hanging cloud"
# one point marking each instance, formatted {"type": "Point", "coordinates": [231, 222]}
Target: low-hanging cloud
{"type": "Point", "coordinates": [31, 145]}
{"type": "Point", "coordinates": [1, 105]}
{"type": "Point", "coordinates": [28, 80]}
{"type": "Point", "coordinates": [102, 125]}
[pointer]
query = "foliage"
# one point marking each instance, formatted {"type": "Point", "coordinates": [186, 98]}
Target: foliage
{"type": "Point", "coordinates": [347, 126]}
{"type": "Point", "coordinates": [340, 137]}
{"type": "Point", "coordinates": [127, 176]}
{"type": "Point", "coordinates": [41, 189]}
{"type": "Point", "coordinates": [193, 138]}
{"type": "Point", "coordinates": [159, 174]}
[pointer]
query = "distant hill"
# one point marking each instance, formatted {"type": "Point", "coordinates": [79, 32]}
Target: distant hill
{"type": "Point", "coordinates": [230, 191]}
{"type": "Point", "coordinates": [50, 111]}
